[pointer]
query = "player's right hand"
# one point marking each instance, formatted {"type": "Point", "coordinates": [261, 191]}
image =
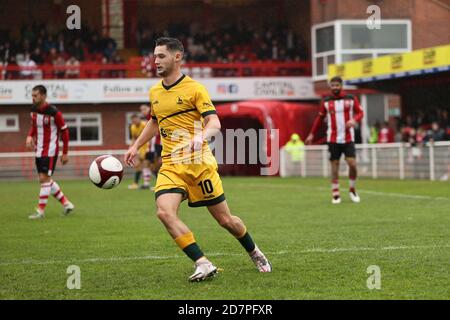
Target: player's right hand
{"type": "Point", "coordinates": [309, 139]}
{"type": "Point", "coordinates": [30, 143]}
{"type": "Point", "coordinates": [129, 156]}
{"type": "Point", "coordinates": [64, 159]}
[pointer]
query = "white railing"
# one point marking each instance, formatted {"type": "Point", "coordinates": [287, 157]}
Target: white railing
{"type": "Point", "coordinates": [390, 160]}
{"type": "Point", "coordinates": [385, 160]}
{"type": "Point", "coordinates": [21, 165]}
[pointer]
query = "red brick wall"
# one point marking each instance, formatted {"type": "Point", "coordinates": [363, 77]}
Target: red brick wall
{"type": "Point", "coordinates": [429, 18]}
{"type": "Point", "coordinates": [113, 124]}
{"type": "Point", "coordinates": [430, 24]}
{"type": "Point", "coordinates": [15, 141]}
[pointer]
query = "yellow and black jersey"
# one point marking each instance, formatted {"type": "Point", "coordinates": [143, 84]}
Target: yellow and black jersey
{"type": "Point", "coordinates": [135, 131]}
{"type": "Point", "coordinates": [179, 110]}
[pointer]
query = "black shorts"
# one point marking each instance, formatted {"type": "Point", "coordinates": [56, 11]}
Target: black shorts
{"type": "Point", "coordinates": [337, 149]}
{"type": "Point", "coordinates": [46, 165]}
{"type": "Point", "coordinates": [152, 156]}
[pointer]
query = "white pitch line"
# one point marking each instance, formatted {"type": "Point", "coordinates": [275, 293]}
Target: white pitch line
{"type": "Point", "coordinates": [378, 193]}
{"type": "Point", "coordinates": [319, 250]}
{"type": "Point", "coordinates": [216, 254]}
{"type": "Point", "coordinates": [401, 195]}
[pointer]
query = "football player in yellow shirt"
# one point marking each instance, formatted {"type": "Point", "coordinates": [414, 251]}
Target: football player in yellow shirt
{"type": "Point", "coordinates": [186, 118]}
{"type": "Point", "coordinates": [136, 128]}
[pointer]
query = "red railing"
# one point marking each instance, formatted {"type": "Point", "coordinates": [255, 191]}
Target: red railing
{"type": "Point", "coordinates": [89, 70]}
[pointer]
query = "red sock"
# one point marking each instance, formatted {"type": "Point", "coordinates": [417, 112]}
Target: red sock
{"type": "Point", "coordinates": [57, 193]}
{"type": "Point", "coordinates": [335, 188]}
{"type": "Point", "coordinates": [43, 195]}
{"type": "Point", "coordinates": [147, 176]}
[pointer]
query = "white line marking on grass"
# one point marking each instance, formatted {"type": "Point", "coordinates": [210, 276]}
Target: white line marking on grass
{"type": "Point", "coordinates": [319, 250]}
{"type": "Point", "coordinates": [378, 193]}
{"type": "Point", "coordinates": [215, 254]}
{"type": "Point", "coordinates": [403, 195]}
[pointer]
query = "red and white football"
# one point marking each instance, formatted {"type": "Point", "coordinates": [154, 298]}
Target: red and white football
{"type": "Point", "coordinates": [106, 172]}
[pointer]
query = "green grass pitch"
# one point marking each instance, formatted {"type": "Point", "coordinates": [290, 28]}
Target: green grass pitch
{"type": "Point", "coordinates": [318, 250]}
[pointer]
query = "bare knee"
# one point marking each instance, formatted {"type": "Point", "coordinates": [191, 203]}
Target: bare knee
{"type": "Point", "coordinates": [334, 167]}
{"type": "Point", "coordinates": [352, 164]}
{"type": "Point", "coordinates": [231, 223]}
{"type": "Point", "coordinates": [44, 179]}
{"type": "Point", "coordinates": [165, 214]}
{"type": "Point", "coordinates": [226, 222]}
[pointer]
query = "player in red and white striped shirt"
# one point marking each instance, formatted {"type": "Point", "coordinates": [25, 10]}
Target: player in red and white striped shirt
{"type": "Point", "coordinates": [47, 125]}
{"type": "Point", "coordinates": [342, 111]}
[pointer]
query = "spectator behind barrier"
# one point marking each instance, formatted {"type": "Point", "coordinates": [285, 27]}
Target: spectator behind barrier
{"type": "Point", "coordinates": [295, 148]}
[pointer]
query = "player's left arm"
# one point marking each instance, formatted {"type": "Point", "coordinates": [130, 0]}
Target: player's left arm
{"type": "Point", "coordinates": [207, 110]}
{"type": "Point", "coordinates": [62, 127]}
{"type": "Point", "coordinates": [211, 128]}
{"type": "Point", "coordinates": [358, 113]}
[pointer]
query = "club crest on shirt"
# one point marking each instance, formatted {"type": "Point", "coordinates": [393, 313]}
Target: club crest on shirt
{"type": "Point", "coordinates": [347, 104]}
{"type": "Point", "coordinates": [179, 100]}
{"type": "Point", "coordinates": [165, 132]}
{"type": "Point", "coordinates": [46, 120]}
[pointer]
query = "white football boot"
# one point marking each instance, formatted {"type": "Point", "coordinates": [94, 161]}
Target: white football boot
{"type": "Point", "coordinates": [354, 197]}
{"type": "Point", "coordinates": [38, 214]}
{"type": "Point", "coordinates": [203, 270]}
{"type": "Point", "coordinates": [68, 208]}
{"type": "Point", "coordinates": [133, 186]}
{"type": "Point", "coordinates": [260, 261]}
{"type": "Point", "coordinates": [336, 200]}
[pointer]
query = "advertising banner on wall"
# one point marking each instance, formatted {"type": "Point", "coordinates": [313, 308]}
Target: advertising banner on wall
{"type": "Point", "coordinates": [423, 61]}
{"type": "Point", "coordinates": [136, 90]}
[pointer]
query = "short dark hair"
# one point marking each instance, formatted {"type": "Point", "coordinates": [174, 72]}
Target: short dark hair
{"type": "Point", "coordinates": [134, 115]}
{"type": "Point", "coordinates": [40, 88]}
{"type": "Point", "coordinates": [336, 79]}
{"type": "Point", "coordinates": [172, 44]}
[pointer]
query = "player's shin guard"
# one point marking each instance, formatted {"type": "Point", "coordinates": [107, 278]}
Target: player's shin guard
{"type": "Point", "coordinates": [247, 242]}
{"type": "Point", "coordinates": [147, 175]}
{"type": "Point", "coordinates": [43, 195]}
{"type": "Point", "coordinates": [57, 193]}
{"type": "Point", "coordinates": [187, 243]}
{"type": "Point", "coordinates": [335, 188]}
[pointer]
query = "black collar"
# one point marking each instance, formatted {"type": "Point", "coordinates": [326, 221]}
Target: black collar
{"type": "Point", "coordinates": [36, 108]}
{"type": "Point", "coordinates": [173, 84]}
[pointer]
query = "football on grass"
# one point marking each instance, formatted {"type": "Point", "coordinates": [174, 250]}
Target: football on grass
{"type": "Point", "coordinates": [106, 172]}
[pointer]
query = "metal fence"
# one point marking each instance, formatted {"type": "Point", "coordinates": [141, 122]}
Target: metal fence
{"type": "Point", "coordinates": [390, 160]}
{"type": "Point", "coordinates": [21, 165]}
